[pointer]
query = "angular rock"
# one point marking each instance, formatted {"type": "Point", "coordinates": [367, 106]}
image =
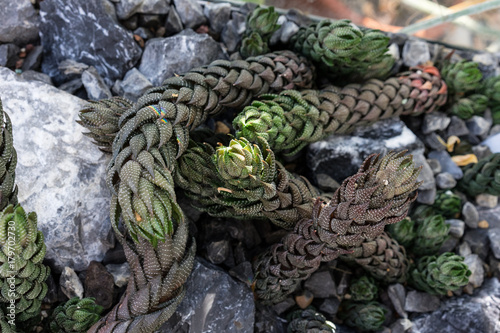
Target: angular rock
{"type": "Point", "coordinates": [173, 24]}
{"type": "Point", "coordinates": [217, 252]}
{"type": "Point", "coordinates": [426, 175]}
{"type": "Point", "coordinates": [288, 30]}
{"type": "Point", "coordinates": [464, 249]}
{"type": "Point", "coordinates": [494, 236]}
{"type": "Point", "coordinates": [427, 197]}
{"type": "Point", "coordinates": [266, 320]}
{"type": "Point", "coordinates": [233, 31]}
{"type": "Point", "coordinates": [475, 265]}
{"type": "Point", "coordinates": [401, 326]}
{"type": "Point", "coordinates": [491, 215]}
{"type": "Point", "coordinates": [330, 306]}
{"type": "Point", "coordinates": [470, 215]}
{"type": "Point", "coordinates": [94, 84]}
{"type": "Point", "coordinates": [31, 75]}
{"type": "Point", "coordinates": [478, 313]}
{"type": "Point", "coordinates": [487, 200]}
{"type": "Point", "coordinates": [481, 151]}
{"type": "Point", "coordinates": [435, 121]}
{"type": "Point", "coordinates": [60, 173]}
{"type": "Point", "coordinates": [478, 125]}
{"type": "Point", "coordinates": [99, 283]}
{"type": "Point", "coordinates": [445, 181]}
{"type": "Point", "coordinates": [449, 245]}
{"type": "Point", "coordinates": [164, 57]}
{"type": "Point", "coordinates": [457, 127]}
{"type": "Point", "coordinates": [434, 165]}
{"type": "Point", "coordinates": [417, 301]}
{"type": "Point", "coordinates": [69, 67]}
{"type": "Point", "coordinates": [134, 85]}
{"type": "Point", "coordinates": [34, 59]}
{"type": "Point", "coordinates": [20, 22]}
{"type": "Point", "coordinates": [120, 273]}
{"type": "Point", "coordinates": [190, 12]}
{"type": "Point", "coordinates": [218, 15]}
{"type": "Point", "coordinates": [214, 302]}
{"type": "Point", "coordinates": [415, 52]}
{"type": "Point", "coordinates": [495, 129]}
{"type": "Point", "coordinates": [447, 164]}
{"type": "Point", "coordinates": [243, 272]}
{"type": "Point", "coordinates": [397, 295]}
{"type": "Point", "coordinates": [478, 242]}
{"type": "Point", "coordinates": [70, 284]}
{"type": "Point", "coordinates": [457, 227]}
{"type": "Point", "coordinates": [71, 86]}
{"type": "Point", "coordinates": [88, 32]}
{"type": "Point", "coordinates": [321, 285]}
{"type": "Point", "coordinates": [432, 141]}
{"type": "Point", "coordinates": [284, 306]}
{"type": "Point", "coordinates": [339, 156]}
{"type": "Point", "coordinates": [8, 55]}
{"type": "Point", "coordinates": [127, 8]}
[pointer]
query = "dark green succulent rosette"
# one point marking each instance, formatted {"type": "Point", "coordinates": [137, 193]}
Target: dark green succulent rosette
{"type": "Point", "coordinates": [430, 235]}
{"type": "Point", "coordinates": [363, 289]}
{"type": "Point", "coordinates": [447, 204]}
{"type": "Point", "coordinates": [482, 177]}
{"type": "Point", "coordinates": [308, 321]}
{"type": "Point", "coordinates": [364, 316]}
{"type": "Point", "coordinates": [75, 316]}
{"type": "Point", "coordinates": [438, 275]}
{"type": "Point", "coordinates": [462, 77]}
{"type": "Point", "coordinates": [8, 162]}
{"type": "Point", "coordinates": [403, 232]}
{"type": "Point", "coordinates": [261, 24]}
{"type": "Point", "coordinates": [470, 106]}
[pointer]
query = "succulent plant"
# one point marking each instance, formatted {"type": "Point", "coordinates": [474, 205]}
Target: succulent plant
{"type": "Point", "coordinates": [308, 321]}
{"type": "Point", "coordinates": [378, 194]}
{"type": "Point", "coordinates": [382, 257]}
{"type": "Point", "coordinates": [438, 275]}
{"type": "Point", "coordinates": [462, 77]}
{"type": "Point", "coordinates": [431, 234]}
{"type": "Point", "coordinates": [292, 119]}
{"type": "Point", "coordinates": [22, 274]}
{"type": "Point", "coordinates": [363, 289]}
{"type": "Point", "coordinates": [491, 89]}
{"type": "Point", "coordinates": [75, 316]}
{"type": "Point", "coordinates": [7, 325]}
{"type": "Point", "coordinates": [447, 204]}
{"type": "Point", "coordinates": [364, 316]}
{"type": "Point", "coordinates": [8, 161]}
{"type": "Point", "coordinates": [344, 50]}
{"type": "Point", "coordinates": [403, 232]}
{"type": "Point", "coordinates": [482, 177]}
{"type": "Point", "coordinates": [261, 24]}
{"type": "Point", "coordinates": [469, 106]}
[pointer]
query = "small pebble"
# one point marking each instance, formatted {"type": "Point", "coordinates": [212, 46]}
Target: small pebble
{"type": "Point", "coordinates": [445, 180]}
{"type": "Point", "coordinates": [305, 299]}
{"type": "Point", "coordinates": [220, 127]}
{"type": "Point", "coordinates": [483, 224]}
{"type": "Point", "coordinates": [470, 215]}
{"type": "Point", "coordinates": [435, 165]}
{"type": "Point", "coordinates": [487, 200]}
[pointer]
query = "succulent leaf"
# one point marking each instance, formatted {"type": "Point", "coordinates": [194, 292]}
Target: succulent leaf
{"type": "Point", "coordinates": [482, 177]}
{"type": "Point", "coordinates": [364, 316]}
{"type": "Point", "coordinates": [403, 232]}
{"type": "Point", "coordinates": [308, 321]}
{"type": "Point", "coordinates": [363, 289]}
{"type": "Point", "coordinates": [8, 162]}
{"type": "Point", "coordinates": [430, 235]}
{"type": "Point", "coordinates": [75, 316]}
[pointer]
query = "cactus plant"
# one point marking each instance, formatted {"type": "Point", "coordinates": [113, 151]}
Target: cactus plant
{"type": "Point", "coordinates": [75, 316]}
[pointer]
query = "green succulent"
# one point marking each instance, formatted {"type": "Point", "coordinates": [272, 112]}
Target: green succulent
{"type": "Point", "coordinates": [75, 316]}
{"type": "Point", "coordinates": [7, 325]}
{"type": "Point", "coordinates": [438, 275]}
{"type": "Point", "coordinates": [431, 234]}
{"type": "Point", "coordinates": [447, 204]}
{"type": "Point", "coordinates": [462, 77]}
{"type": "Point", "coordinates": [403, 232]}
{"type": "Point", "coordinates": [469, 106]}
{"type": "Point", "coordinates": [261, 24]}
{"type": "Point", "coordinates": [364, 316]}
{"type": "Point", "coordinates": [495, 114]}
{"type": "Point", "coordinates": [8, 161]}
{"type": "Point", "coordinates": [308, 321]}
{"type": "Point", "coordinates": [482, 177]}
{"type": "Point", "coordinates": [363, 289]}
{"type": "Point", "coordinates": [491, 89]}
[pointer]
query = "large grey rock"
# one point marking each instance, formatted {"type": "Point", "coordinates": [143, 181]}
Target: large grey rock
{"type": "Point", "coordinates": [435, 121]}
{"type": "Point", "coordinates": [190, 12]}
{"type": "Point", "coordinates": [457, 127]}
{"type": "Point", "coordinates": [214, 302]}
{"type": "Point", "coordinates": [60, 173]}
{"type": "Point", "coordinates": [34, 59]}
{"type": "Point", "coordinates": [478, 241]}
{"type": "Point", "coordinates": [127, 8]}
{"type": "Point", "coordinates": [19, 22]}
{"type": "Point", "coordinates": [232, 32]}
{"type": "Point", "coordinates": [447, 164]}
{"type": "Point", "coordinates": [478, 125]}
{"type": "Point", "coordinates": [457, 227]}
{"type": "Point", "coordinates": [218, 15]}
{"type": "Point", "coordinates": [397, 295]}
{"type": "Point", "coordinates": [164, 57]}
{"type": "Point", "coordinates": [340, 156]}
{"type": "Point", "coordinates": [87, 32]}
{"type": "Point", "coordinates": [478, 313]}
{"type": "Point", "coordinates": [134, 85]}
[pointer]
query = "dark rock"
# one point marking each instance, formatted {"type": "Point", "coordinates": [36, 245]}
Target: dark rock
{"type": "Point", "coordinates": [475, 265]}
{"type": "Point", "coordinates": [70, 284]}
{"type": "Point", "coordinates": [445, 181]}
{"type": "Point", "coordinates": [190, 12]}
{"type": "Point", "coordinates": [321, 285]}
{"type": "Point", "coordinates": [54, 293]}
{"type": "Point", "coordinates": [115, 255]}
{"type": "Point", "coordinates": [173, 24]}
{"type": "Point", "coordinates": [481, 151]}
{"type": "Point", "coordinates": [127, 8]}
{"type": "Point", "coordinates": [59, 169]}
{"type": "Point", "coordinates": [284, 306]}
{"type": "Point", "coordinates": [86, 32]}
{"type": "Point", "coordinates": [434, 165]}
{"type": "Point", "coordinates": [289, 29]}
{"type": "Point", "coordinates": [99, 283]}
{"type": "Point", "coordinates": [298, 17]}
{"type": "Point", "coordinates": [71, 67]}
{"type": "Point", "coordinates": [31, 75]}
{"type": "Point", "coordinates": [132, 23]}
{"type": "Point", "coordinates": [134, 85]}
{"type": "Point", "coordinates": [427, 197]}
{"type": "Point", "coordinates": [457, 227]}
{"type": "Point", "coordinates": [432, 141]}
{"type": "Point", "coordinates": [449, 245]}
{"type": "Point", "coordinates": [401, 326]}
{"type": "Point", "coordinates": [151, 21]}
{"type": "Point", "coordinates": [491, 215]}
{"type": "Point", "coordinates": [343, 284]}
{"type": "Point", "coordinates": [233, 31]}
{"type": "Point", "coordinates": [20, 22]}
{"type": "Point", "coordinates": [266, 320]}
{"type": "Point", "coordinates": [478, 125]}
{"type": "Point", "coordinates": [447, 165]}
{"type": "Point", "coordinates": [478, 242]}
{"type": "Point", "coordinates": [164, 57]}
{"type": "Point", "coordinates": [71, 86]}
{"type": "Point", "coordinates": [218, 15]}
{"type": "Point", "coordinates": [8, 55]}
{"type": "Point", "coordinates": [457, 127]}
{"type": "Point", "coordinates": [330, 306]}
{"type": "Point", "coordinates": [415, 52]}
{"type": "Point", "coordinates": [94, 84]}
{"type": "Point", "coordinates": [417, 301]}
{"type": "Point", "coordinates": [470, 215]}
{"type": "Point", "coordinates": [214, 302]}
{"type": "Point", "coordinates": [435, 121]}
{"type": "Point", "coordinates": [243, 272]}
{"type": "Point", "coordinates": [245, 231]}
{"type": "Point", "coordinates": [340, 156]}
{"type": "Point", "coordinates": [34, 59]}
{"type": "Point", "coordinates": [494, 236]}
{"type": "Point", "coordinates": [143, 33]}
{"type": "Point", "coordinates": [120, 273]}
{"type": "Point", "coordinates": [397, 295]}
{"type": "Point", "coordinates": [465, 314]}
{"type": "Point", "coordinates": [218, 251]}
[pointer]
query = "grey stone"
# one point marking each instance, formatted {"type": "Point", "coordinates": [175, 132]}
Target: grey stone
{"type": "Point", "coordinates": [232, 32]}
{"type": "Point", "coordinates": [218, 15]}
{"type": "Point", "coordinates": [432, 141]}
{"type": "Point", "coordinates": [70, 284]}
{"type": "Point", "coordinates": [243, 272]}
{"type": "Point", "coordinates": [493, 142]}
{"type": "Point", "coordinates": [417, 301]}
{"type": "Point", "coordinates": [397, 295]}
{"type": "Point", "coordinates": [464, 249]}
{"type": "Point", "coordinates": [457, 127]}
{"type": "Point", "coordinates": [435, 121]}
{"type": "Point", "coordinates": [284, 306]}
{"type": "Point", "coordinates": [87, 32]}
{"type": "Point", "coordinates": [60, 172]}
{"type": "Point", "coordinates": [34, 59]}
{"type": "Point", "coordinates": [487, 200]}
{"type": "Point", "coordinates": [164, 57]}
{"type": "Point", "coordinates": [321, 285]}
{"type": "Point", "coordinates": [134, 85]}
{"type": "Point", "coordinates": [340, 156]}
{"type": "Point", "coordinates": [214, 302]}
{"type": "Point", "coordinates": [69, 67]}
{"type": "Point", "coordinates": [394, 51]}
{"type": "Point", "coordinates": [31, 75]}
{"type": "Point", "coordinates": [120, 272]}
{"type": "Point", "coordinates": [427, 197]}
{"type": "Point", "coordinates": [491, 215]}
{"type": "Point", "coordinates": [330, 306]}
{"type": "Point", "coordinates": [218, 251]}
{"type": "Point", "coordinates": [481, 151]}
{"type": "Point", "coordinates": [8, 55]}
{"type": "Point", "coordinates": [494, 236]}
{"type": "Point", "coordinates": [150, 21]}
{"type": "Point", "coordinates": [95, 85]}
{"type": "Point", "coordinates": [445, 180]}
{"type": "Point", "coordinates": [133, 22]}
{"type": "Point", "coordinates": [449, 245]}
{"type": "Point", "coordinates": [478, 241]}
{"type": "Point", "coordinates": [343, 284]}
{"type": "Point", "coordinates": [457, 227]}
{"type": "Point", "coordinates": [465, 314]}
{"type": "Point", "coordinates": [494, 130]}
{"type": "Point", "coordinates": [276, 36]}
{"type": "Point", "coordinates": [470, 215]}
{"type": "Point", "coordinates": [266, 320]}
{"type": "Point", "coordinates": [478, 125]}
{"type": "Point", "coordinates": [289, 29]}
{"type": "Point", "coordinates": [426, 175]}
{"type": "Point", "coordinates": [71, 86]}
{"type": "Point", "coordinates": [127, 8]}
{"type": "Point", "coordinates": [447, 164]}
{"type": "Point", "coordinates": [144, 34]}
{"type": "Point", "coordinates": [173, 24]}
{"type": "Point", "coordinates": [190, 12]}
{"type": "Point", "coordinates": [401, 326]}
{"type": "Point", "coordinates": [434, 165]}
{"type": "Point", "coordinates": [19, 22]}
{"type": "Point", "coordinates": [415, 52]}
